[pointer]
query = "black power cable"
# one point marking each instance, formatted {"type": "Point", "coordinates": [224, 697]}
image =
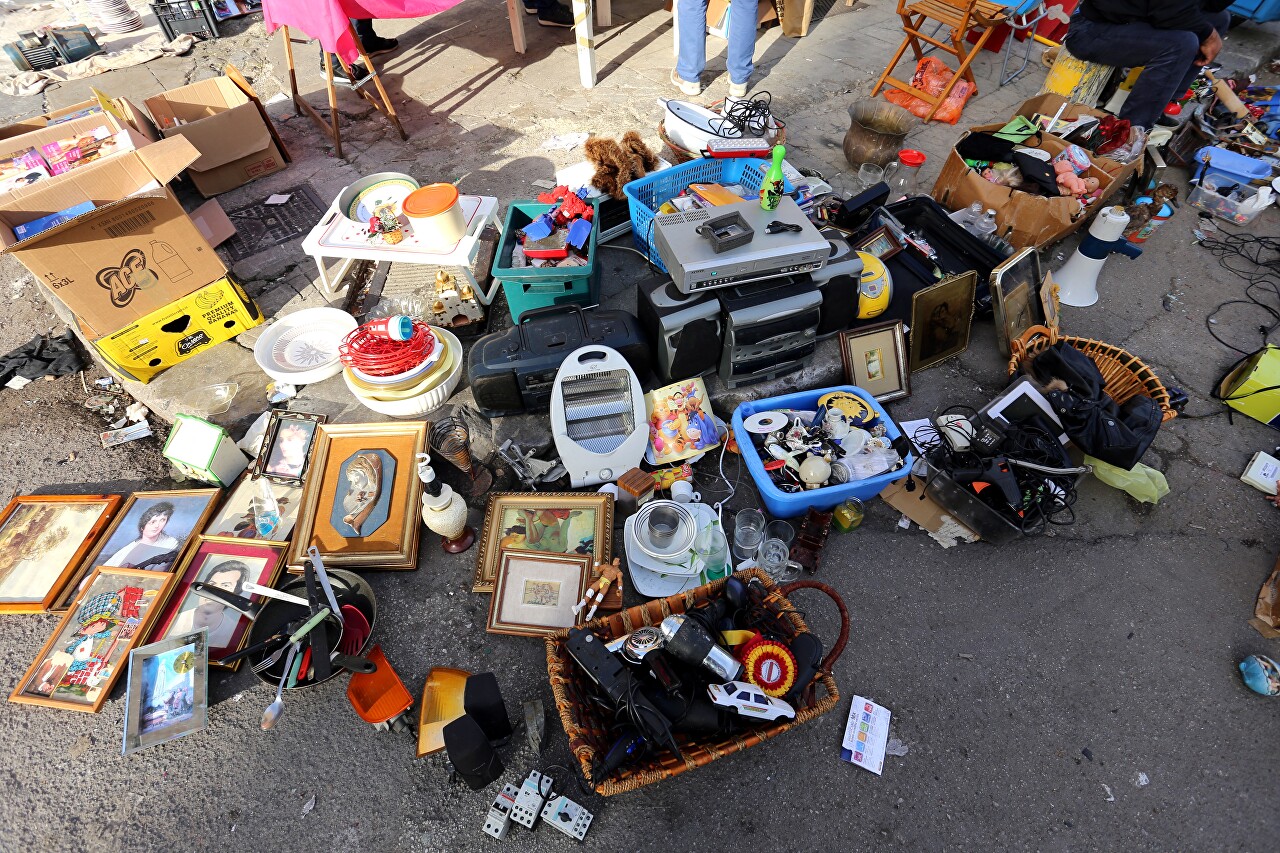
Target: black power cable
{"type": "Point", "coordinates": [1257, 261]}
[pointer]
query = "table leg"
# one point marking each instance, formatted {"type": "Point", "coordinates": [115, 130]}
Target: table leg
{"type": "Point", "coordinates": [331, 281]}
{"type": "Point", "coordinates": [377, 81]}
{"type": "Point", "coordinates": [604, 12]}
{"type": "Point", "coordinates": [293, 76]}
{"type": "Point", "coordinates": [333, 105]}
{"type": "Point", "coordinates": [586, 43]}
{"type": "Point", "coordinates": [516, 15]}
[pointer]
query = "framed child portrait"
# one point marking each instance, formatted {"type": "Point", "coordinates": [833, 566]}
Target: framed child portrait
{"type": "Point", "coordinates": [167, 693]}
{"type": "Point", "coordinates": [875, 360]}
{"type": "Point", "coordinates": [43, 540]}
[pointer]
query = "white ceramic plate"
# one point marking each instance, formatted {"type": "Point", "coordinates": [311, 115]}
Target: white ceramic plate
{"type": "Point", "coordinates": [656, 579]}
{"type": "Point", "coordinates": [302, 347]}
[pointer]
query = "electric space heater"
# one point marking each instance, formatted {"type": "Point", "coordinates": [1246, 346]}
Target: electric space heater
{"type": "Point", "coordinates": [598, 416]}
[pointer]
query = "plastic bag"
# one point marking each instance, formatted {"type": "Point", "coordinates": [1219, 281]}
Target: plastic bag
{"type": "Point", "coordinates": [1143, 483]}
{"type": "Point", "coordinates": [932, 76]}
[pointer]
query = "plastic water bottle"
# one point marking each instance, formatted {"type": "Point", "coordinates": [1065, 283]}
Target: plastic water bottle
{"type": "Point", "coordinates": [987, 225]}
{"type": "Point", "coordinates": [971, 217]}
{"type": "Point", "coordinates": [266, 510]}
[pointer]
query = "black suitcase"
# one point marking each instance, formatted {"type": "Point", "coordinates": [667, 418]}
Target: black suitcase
{"type": "Point", "coordinates": [512, 372]}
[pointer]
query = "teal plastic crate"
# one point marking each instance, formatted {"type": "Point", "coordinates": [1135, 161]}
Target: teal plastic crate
{"type": "Point", "coordinates": [527, 288]}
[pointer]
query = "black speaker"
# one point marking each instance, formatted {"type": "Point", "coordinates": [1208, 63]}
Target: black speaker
{"type": "Point", "coordinates": [839, 305]}
{"type": "Point", "coordinates": [482, 700]}
{"type": "Point", "coordinates": [472, 756]}
{"type": "Point", "coordinates": [684, 331]}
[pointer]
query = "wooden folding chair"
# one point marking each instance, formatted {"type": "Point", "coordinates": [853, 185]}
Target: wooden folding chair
{"type": "Point", "coordinates": [960, 16]}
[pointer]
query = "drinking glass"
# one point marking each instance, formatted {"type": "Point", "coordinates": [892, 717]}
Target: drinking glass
{"type": "Point", "coordinates": [748, 530]}
{"type": "Point", "coordinates": [869, 174]}
{"type": "Point", "coordinates": [774, 557]}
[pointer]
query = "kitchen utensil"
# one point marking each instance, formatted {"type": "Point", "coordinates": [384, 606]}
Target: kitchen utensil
{"type": "Point", "coordinates": [380, 697]}
{"type": "Point", "coordinates": [253, 650]}
{"type": "Point", "coordinates": [748, 530]}
{"type": "Point", "coordinates": [272, 714]}
{"type": "Point", "coordinates": [664, 529]}
{"type": "Point", "coordinates": [272, 592]}
{"type": "Point", "coordinates": [321, 575]}
{"type": "Point", "coordinates": [320, 638]}
{"type": "Point", "coordinates": [354, 663]}
{"type": "Point", "coordinates": [297, 665]}
{"type": "Point", "coordinates": [355, 630]}
{"type": "Point", "coordinates": [270, 660]}
{"type": "Point", "coordinates": [442, 703]}
{"type": "Point", "coordinates": [239, 602]}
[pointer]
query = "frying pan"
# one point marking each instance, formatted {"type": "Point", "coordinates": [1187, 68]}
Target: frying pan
{"type": "Point", "coordinates": [274, 616]}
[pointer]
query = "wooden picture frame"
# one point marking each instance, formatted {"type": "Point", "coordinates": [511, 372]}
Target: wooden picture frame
{"type": "Point", "coordinates": [171, 676]}
{"type": "Point", "coordinates": [1016, 296]}
{"type": "Point", "coordinates": [941, 319]}
{"type": "Point", "coordinates": [235, 518]}
{"type": "Point", "coordinates": [388, 537]}
{"type": "Point", "coordinates": [875, 360]}
{"type": "Point", "coordinates": [190, 512]}
{"type": "Point", "coordinates": [534, 593]}
{"type": "Point", "coordinates": [251, 560]}
{"type": "Point", "coordinates": [285, 459]}
{"type": "Point", "coordinates": [880, 243]}
{"type": "Point", "coordinates": [505, 529]}
{"type": "Point", "coordinates": [43, 541]}
{"type": "Point", "coordinates": [85, 654]}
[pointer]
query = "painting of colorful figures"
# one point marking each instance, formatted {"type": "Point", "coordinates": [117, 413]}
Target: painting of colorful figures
{"type": "Point", "coordinates": [81, 661]}
{"type": "Point", "coordinates": [680, 422]}
{"type": "Point", "coordinates": [543, 522]}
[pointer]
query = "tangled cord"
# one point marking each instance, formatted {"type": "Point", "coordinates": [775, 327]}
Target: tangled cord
{"type": "Point", "coordinates": [746, 117]}
{"type": "Point", "coordinates": [1247, 256]}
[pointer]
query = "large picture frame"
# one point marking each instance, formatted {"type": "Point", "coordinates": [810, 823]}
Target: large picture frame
{"type": "Point", "coordinates": [225, 563]}
{"type": "Point", "coordinates": [534, 593]}
{"type": "Point", "coordinates": [1016, 298]}
{"type": "Point", "coordinates": [875, 360]}
{"type": "Point", "coordinates": [563, 523]}
{"type": "Point", "coordinates": [80, 663]}
{"type": "Point", "coordinates": [286, 449]}
{"type": "Point", "coordinates": [43, 541]}
{"type": "Point", "coordinates": [167, 691]}
{"type": "Point", "coordinates": [941, 319]}
{"type": "Point", "coordinates": [346, 460]}
{"type": "Point", "coordinates": [235, 517]}
{"type": "Point", "coordinates": [129, 543]}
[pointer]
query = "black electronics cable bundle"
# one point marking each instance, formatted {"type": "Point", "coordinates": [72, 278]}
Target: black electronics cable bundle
{"type": "Point", "coordinates": [746, 117]}
{"type": "Point", "coordinates": [1257, 261]}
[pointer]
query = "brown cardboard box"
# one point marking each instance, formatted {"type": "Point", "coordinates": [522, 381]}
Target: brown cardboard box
{"type": "Point", "coordinates": [223, 119]}
{"type": "Point", "coordinates": [136, 252]}
{"type": "Point", "coordinates": [121, 109]}
{"type": "Point", "coordinates": [1049, 104]}
{"type": "Point", "coordinates": [1024, 219]}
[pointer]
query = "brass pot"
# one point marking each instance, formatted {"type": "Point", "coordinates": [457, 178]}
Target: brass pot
{"type": "Point", "coordinates": [876, 132]}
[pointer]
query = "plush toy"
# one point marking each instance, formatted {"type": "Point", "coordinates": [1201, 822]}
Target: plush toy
{"type": "Point", "coordinates": [617, 164]}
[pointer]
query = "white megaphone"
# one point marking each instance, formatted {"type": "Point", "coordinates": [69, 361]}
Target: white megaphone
{"type": "Point", "coordinates": [1078, 278]}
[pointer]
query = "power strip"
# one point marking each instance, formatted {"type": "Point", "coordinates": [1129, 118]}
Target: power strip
{"type": "Point", "coordinates": [498, 821]}
{"type": "Point", "coordinates": [529, 802]}
{"type": "Point", "coordinates": [567, 816]}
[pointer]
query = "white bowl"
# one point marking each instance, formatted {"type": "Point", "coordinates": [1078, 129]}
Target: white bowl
{"type": "Point", "coordinates": [434, 395]}
{"type": "Point", "coordinates": [302, 347]}
{"type": "Point", "coordinates": [437, 352]}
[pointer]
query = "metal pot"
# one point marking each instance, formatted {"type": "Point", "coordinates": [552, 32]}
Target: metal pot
{"type": "Point", "coordinates": [876, 132]}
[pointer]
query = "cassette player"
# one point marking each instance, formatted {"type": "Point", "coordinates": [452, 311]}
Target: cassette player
{"type": "Point", "coordinates": [783, 242]}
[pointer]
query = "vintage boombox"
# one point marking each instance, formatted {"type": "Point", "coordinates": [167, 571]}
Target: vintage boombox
{"type": "Point", "coordinates": [684, 330]}
{"type": "Point", "coordinates": [771, 328]}
{"type": "Point", "coordinates": [512, 372]}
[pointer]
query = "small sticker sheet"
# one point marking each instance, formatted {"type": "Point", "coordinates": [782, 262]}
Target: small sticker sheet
{"type": "Point", "coordinates": [865, 735]}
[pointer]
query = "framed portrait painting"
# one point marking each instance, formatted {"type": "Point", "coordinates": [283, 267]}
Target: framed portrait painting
{"type": "Point", "coordinates": [43, 540]}
{"type": "Point", "coordinates": [150, 532]}
{"type": "Point", "coordinates": [361, 502]}
{"type": "Point", "coordinates": [226, 564]}
{"type": "Point", "coordinates": [534, 593]}
{"type": "Point", "coordinates": [940, 320]}
{"type": "Point", "coordinates": [167, 693]}
{"type": "Point", "coordinates": [286, 447]}
{"type": "Point", "coordinates": [546, 523]}
{"type": "Point", "coordinates": [80, 663]}
{"type": "Point", "coordinates": [236, 516]}
{"type": "Point", "coordinates": [1016, 301]}
{"type": "Point", "coordinates": [875, 360]}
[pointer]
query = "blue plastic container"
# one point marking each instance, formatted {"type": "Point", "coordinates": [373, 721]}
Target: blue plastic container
{"type": "Point", "coordinates": [783, 505]}
{"type": "Point", "coordinates": [1239, 168]}
{"type": "Point", "coordinates": [645, 195]}
{"type": "Point", "coordinates": [1261, 11]}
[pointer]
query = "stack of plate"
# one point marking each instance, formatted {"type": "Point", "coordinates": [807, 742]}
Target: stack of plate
{"type": "Point", "coordinates": [302, 347]}
{"type": "Point", "coordinates": [676, 572]}
{"type": "Point", "coordinates": [114, 16]}
{"type": "Point", "coordinates": [417, 391]}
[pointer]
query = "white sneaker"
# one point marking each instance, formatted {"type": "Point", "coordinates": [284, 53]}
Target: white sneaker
{"type": "Point", "coordinates": [737, 90]}
{"type": "Point", "coordinates": [685, 87]}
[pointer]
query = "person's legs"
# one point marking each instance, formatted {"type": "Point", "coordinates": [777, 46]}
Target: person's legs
{"type": "Point", "coordinates": [1164, 54]}
{"type": "Point", "coordinates": [693, 39]}
{"type": "Point", "coordinates": [742, 40]}
{"type": "Point", "coordinates": [372, 43]}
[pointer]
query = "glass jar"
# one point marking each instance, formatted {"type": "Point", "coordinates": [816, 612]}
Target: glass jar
{"type": "Point", "coordinates": [904, 181]}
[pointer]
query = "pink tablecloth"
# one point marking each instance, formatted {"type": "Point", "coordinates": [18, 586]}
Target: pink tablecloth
{"type": "Point", "coordinates": [327, 20]}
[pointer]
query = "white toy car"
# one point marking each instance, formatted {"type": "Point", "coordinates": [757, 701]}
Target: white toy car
{"type": "Point", "coordinates": [749, 701]}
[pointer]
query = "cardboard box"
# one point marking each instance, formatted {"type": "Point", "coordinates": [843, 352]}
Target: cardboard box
{"type": "Point", "coordinates": [135, 253]}
{"type": "Point", "coordinates": [223, 119]}
{"type": "Point", "coordinates": [1049, 104]}
{"type": "Point", "coordinates": [215, 313]}
{"type": "Point", "coordinates": [120, 109]}
{"type": "Point", "coordinates": [1024, 219]}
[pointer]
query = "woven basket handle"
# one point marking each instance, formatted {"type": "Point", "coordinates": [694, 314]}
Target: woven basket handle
{"type": "Point", "coordinates": [836, 650]}
{"type": "Point", "coordinates": [1030, 342]}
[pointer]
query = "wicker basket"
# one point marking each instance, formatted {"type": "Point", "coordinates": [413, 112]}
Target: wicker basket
{"type": "Point", "coordinates": [1124, 375]}
{"type": "Point", "coordinates": [591, 733]}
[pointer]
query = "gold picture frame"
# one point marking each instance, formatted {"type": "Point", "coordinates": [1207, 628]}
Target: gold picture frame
{"type": "Point", "coordinates": [875, 360]}
{"type": "Point", "coordinates": [504, 520]}
{"type": "Point", "coordinates": [43, 541]}
{"type": "Point", "coordinates": [393, 543]}
{"type": "Point", "coordinates": [89, 650]}
{"type": "Point", "coordinates": [1016, 296]}
{"type": "Point", "coordinates": [534, 593]}
{"type": "Point", "coordinates": [191, 510]}
{"type": "Point", "coordinates": [941, 319]}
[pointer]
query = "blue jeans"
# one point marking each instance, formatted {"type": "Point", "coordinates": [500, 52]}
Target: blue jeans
{"type": "Point", "coordinates": [1167, 57]}
{"type": "Point", "coordinates": [693, 39]}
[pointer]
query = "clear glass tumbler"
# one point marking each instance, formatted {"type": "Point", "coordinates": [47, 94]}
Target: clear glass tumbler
{"type": "Point", "coordinates": [748, 530]}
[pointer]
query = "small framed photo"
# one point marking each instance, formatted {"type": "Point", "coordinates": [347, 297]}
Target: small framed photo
{"type": "Point", "coordinates": [940, 320]}
{"type": "Point", "coordinates": [236, 516]}
{"type": "Point", "coordinates": [880, 243]}
{"type": "Point", "coordinates": [43, 539]}
{"type": "Point", "coordinates": [875, 360]}
{"type": "Point", "coordinates": [534, 593]}
{"type": "Point", "coordinates": [167, 693]}
{"type": "Point", "coordinates": [1016, 298]}
{"type": "Point", "coordinates": [286, 447]}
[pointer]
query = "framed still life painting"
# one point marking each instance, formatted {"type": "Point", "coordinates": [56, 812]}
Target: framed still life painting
{"type": "Point", "coordinates": [43, 541]}
{"type": "Point", "coordinates": [534, 593]}
{"type": "Point", "coordinates": [168, 691]}
{"type": "Point", "coordinates": [150, 533]}
{"type": "Point", "coordinates": [545, 523]}
{"type": "Point", "coordinates": [80, 663]}
{"type": "Point", "coordinates": [361, 502]}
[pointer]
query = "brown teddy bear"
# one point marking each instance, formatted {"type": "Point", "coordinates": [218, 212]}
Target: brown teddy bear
{"type": "Point", "coordinates": [618, 163]}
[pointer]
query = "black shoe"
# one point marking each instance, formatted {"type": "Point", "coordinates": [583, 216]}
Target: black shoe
{"type": "Point", "coordinates": [377, 45]}
{"type": "Point", "coordinates": [531, 8]}
{"type": "Point", "coordinates": [358, 70]}
{"type": "Point", "coordinates": [557, 16]}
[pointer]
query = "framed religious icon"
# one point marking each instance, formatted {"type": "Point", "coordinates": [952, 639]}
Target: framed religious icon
{"type": "Point", "coordinates": [43, 540]}
{"type": "Point", "coordinates": [940, 320]}
{"type": "Point", "coordinates": [546, 523]}
{"type": "Point", "coordinates": [286, 447]}
{"type": "Point", "coordinates": [880, 243]}
{"type": "Point", "coordinates": [1016, 298]}
{"type": "Point", "coordinates": [150, 532]}
{"type": "Point", "coordinates": [875, 360]}
{"type": "Point", "coordinates": [167, 693]}
{"type": "Point", "coordinates": [238, 515]}
{"type": "Point", "coordinates": [361, 503]}
{"type": "Point", "coordinates": [534, 593]}
{"type": "Point", "coordinates": [80, 663]}
{"type": "Point", "coordinates": [226, 564]}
